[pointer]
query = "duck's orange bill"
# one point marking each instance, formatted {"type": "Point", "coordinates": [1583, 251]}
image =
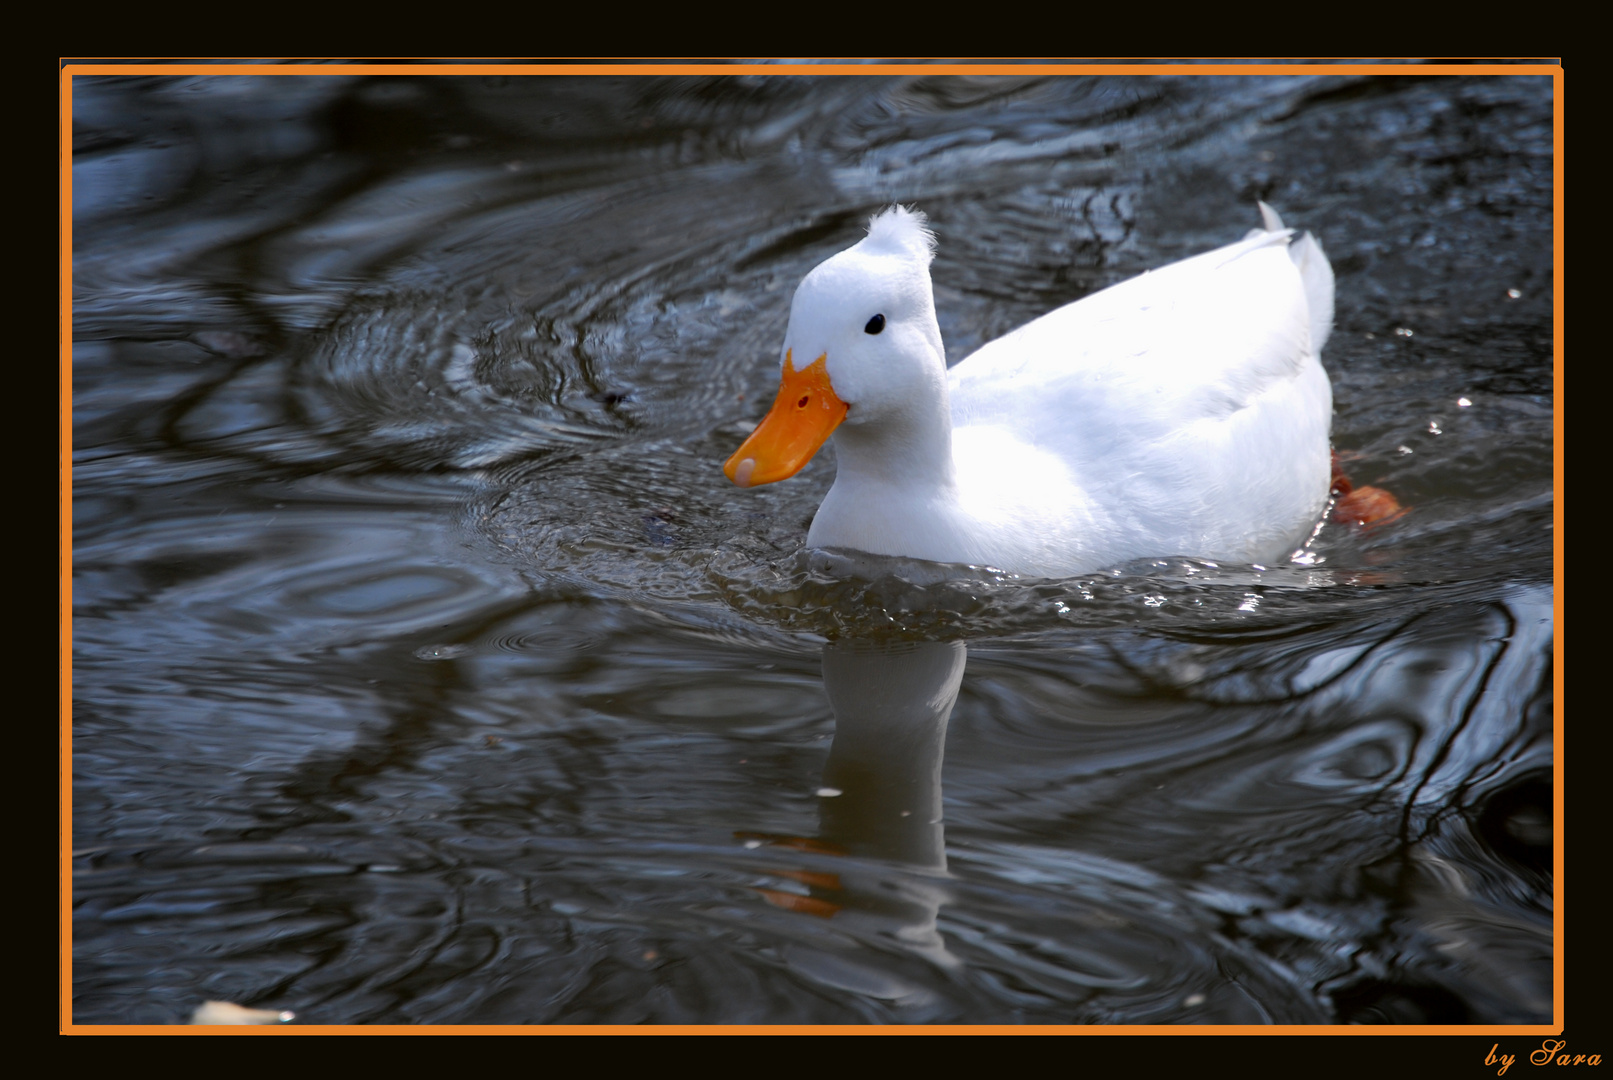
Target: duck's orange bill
{"type": "Point", "coordinates": [803, 416]}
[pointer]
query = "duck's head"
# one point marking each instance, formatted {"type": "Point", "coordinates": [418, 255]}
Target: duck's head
{"type": "Point", "coordinates": [862, 346]}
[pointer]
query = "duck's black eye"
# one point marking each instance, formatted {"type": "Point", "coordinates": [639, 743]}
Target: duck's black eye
{"type": "Point", "coordinates": [875, 325]}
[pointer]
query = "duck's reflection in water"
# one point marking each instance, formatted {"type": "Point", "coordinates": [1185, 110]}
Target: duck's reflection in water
{"type": "Point", "coordinates": [891, 705]}
{"type": "Point", "coordinates": [875, 871]}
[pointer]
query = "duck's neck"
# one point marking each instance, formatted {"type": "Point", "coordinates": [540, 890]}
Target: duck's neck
{"type": "Point", "coordinates": [910, 448]}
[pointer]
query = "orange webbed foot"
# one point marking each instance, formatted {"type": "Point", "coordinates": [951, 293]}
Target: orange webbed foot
{"type": "Point", "coordinates": [1363, 506]}
{"type": "Point", "coordinates": [1367, 506]}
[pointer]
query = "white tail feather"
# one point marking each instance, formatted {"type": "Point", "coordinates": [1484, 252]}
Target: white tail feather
{"type": "Point", "coordinates": [1317, 276]}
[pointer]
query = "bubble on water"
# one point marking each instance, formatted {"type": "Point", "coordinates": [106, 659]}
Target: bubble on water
{"type": "Point", "coordinates": [441, 652]}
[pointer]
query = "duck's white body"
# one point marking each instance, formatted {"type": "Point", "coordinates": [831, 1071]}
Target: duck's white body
{"type": "Point", "coordinates": [1183, 412]}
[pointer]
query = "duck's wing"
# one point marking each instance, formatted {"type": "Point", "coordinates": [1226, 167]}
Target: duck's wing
{"type": "Point", "coordinates": [1196, 340]}
{"type": "Point", "coordinates": [1186, 409]}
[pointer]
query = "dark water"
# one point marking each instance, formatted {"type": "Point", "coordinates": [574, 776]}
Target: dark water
{"type": "Point", "coordinates": [426, 668]}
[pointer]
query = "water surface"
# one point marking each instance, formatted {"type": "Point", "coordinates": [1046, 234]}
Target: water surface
{"type": "Point", "coordinates": [427, 669]}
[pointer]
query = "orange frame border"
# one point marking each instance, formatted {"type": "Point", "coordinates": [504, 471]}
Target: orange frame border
{"type": "Point", "coordinates": [68, 70]}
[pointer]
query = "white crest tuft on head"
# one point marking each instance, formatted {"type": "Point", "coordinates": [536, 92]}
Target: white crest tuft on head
{"type": "Point", "coordinates": [900, 231]}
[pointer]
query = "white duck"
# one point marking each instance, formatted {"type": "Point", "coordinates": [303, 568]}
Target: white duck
{"type": "Point", "coordinates": [1183, 412]}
